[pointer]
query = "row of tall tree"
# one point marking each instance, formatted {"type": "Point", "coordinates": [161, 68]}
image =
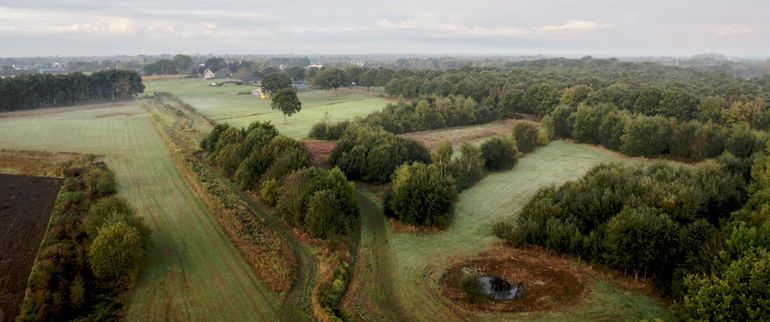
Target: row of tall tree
{"type": "Point", "coordinates": [653, 136]}
{"type": "Point", "coordinates": [257, 158]}
{"type": "Point", "coordinates": [30, 91]}
{"type": "Point", "coordinates": [92, 254]}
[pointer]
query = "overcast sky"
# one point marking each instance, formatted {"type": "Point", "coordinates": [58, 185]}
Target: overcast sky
{"type": "Point", "coordinates": [560, 27]}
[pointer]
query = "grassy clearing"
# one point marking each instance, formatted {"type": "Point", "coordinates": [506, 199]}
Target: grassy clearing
{"type": "Point", "coordinates": [194, 272]}
{"type": "Point", "coordinates": [421, 259]}
{"type": "Point", "coordinates": [474, 134]}
{"type": "Point", "coordinates": [223, 104]}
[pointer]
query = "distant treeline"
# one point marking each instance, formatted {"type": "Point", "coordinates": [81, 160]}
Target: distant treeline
{"type": "Point", "coordinates": [30, 91]}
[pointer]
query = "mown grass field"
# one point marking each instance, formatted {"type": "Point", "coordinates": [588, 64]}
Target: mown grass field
{"type": "Point", "coordinates": [194, 272]}
{"type": "Point", "coordinates": [223, 104]}
{"type": "Point", "coordinates": [421, 259]}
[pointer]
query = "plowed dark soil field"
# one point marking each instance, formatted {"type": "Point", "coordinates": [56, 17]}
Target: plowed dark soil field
{"type": "Point", "coordinates": [26, 204]}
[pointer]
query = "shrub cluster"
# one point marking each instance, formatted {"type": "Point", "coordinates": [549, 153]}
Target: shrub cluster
{"type": "Point", "coordinates": [322, 202]}
{"type": "Point", "coordinates": [498, 154]}
{"type": "Point", "coordinates": [371, 154]}
{"type": "Point", "coordinates": [422, 194]}
{"type": "Point", "coordinates": [257, 158]}
{"type": "Point", "coordinates": [656, 221]}
{"type": "Point", "coordinates": [327, 130]}
{"type": "Point", "coordinates": [736, 288]}
{"type": "Point", "coordinates": [91, 254]}
{"type": "Point", "coordinates": [430, 112]}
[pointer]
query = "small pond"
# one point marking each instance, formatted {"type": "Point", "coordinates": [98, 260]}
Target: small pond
{"type": "Point", "coordinates": [500, 289]}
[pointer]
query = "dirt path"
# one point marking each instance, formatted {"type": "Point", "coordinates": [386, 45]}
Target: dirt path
{"type": "Point", "coordinates": [296, 305]}
{"type": "Point", "coordinates": [371, 296]}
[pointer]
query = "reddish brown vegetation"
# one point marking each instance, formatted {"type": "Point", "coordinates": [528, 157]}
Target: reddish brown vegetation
{"type": "Point", "coordinates": [550, 282]}
{"type": "Point", "coordinates": [319, 150]}
{"type": "Point", "coordinates": [459, 135]}
{"type": "Point", "coordinates": [43, 164]}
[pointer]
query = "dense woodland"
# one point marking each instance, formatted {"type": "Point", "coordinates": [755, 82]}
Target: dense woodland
{"type": "Point", "coordinates": [92, 254]}
{"type": "Point", "coordinates": [690, 231]}
{"type": "Point", "coordinates": [30, 91]}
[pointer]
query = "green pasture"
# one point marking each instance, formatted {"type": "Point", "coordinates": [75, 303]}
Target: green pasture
{"type": "Point", "coordinates": [225, 104]}
{"type": "Point", "coordinates": [193, 272]}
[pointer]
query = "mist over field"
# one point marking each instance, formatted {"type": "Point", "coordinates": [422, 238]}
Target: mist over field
{"type": "Point", "coordinates": [384, 161]}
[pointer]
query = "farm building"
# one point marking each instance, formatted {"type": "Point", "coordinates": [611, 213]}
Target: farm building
{"type": "Point", "coordinates": [208, 74]}
{"type": "Point", "coordinates": [258, 92]}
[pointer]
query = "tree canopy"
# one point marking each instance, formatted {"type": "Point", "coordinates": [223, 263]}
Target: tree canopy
{"type": "Point", "coordinates": [275, 82]}
{"type": "Point", "coordinates": [421, 194]}
{"type": "Point", "coordinates": [286, 101]}
{"type": "Point", "coordinates": [329, 78]}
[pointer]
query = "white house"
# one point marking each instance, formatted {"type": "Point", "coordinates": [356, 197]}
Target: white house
{"type": "Point", "coordinates": [208, 74]}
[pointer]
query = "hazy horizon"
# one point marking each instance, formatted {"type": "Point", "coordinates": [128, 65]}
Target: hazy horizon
{"type": "Point", "coordinates": [627, 28]}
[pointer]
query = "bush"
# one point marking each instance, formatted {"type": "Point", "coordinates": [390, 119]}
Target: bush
{"type": "Point", "coordinates": [372, 154]}
{"type": "Point", "coordinates": [294, 194]}
{"type": "Point", "coordinates": [647, 136]}
{"type": "Point", "coordinates": [671, 217]}
{"type": "Point", "coordinates": [326, 130]}
{"type": "Point", "coordinates": [269, 191]}
{"type": "Point", "coordinates": [471, 286]}
{"type": "Point", "coordinates": [289, 160]}
{"type": "Point", "coordinates": [422, 195]}
{"type": "Point", "coordinates": [642, 240]}
{"type": "Point", "coordinates": [319, 201]}
{"type": "Point", "coordinates": [740, 293]}
{"type": "Point", "coordinates": [468, 168]}
{"type": "Point", "coordinates": [100, 212]}
{"type": "Point", "coordinates": [323, 215]}
{"type": "Point", "coordinates": [526, 137]}
{"type": "Point", "coordinates": [498, 154]}
{"type": "Point", "coordinates": [116, 251]}
{"type": "Point", "coordinates": [100, 180]}
{"type": "Point", "coordinates": [251, 170]}
{"type": "Point", "coordinates": [558, 122]}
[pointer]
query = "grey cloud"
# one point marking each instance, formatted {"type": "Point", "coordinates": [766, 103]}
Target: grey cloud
{"type": "Point", "coordinates": [631, 27]}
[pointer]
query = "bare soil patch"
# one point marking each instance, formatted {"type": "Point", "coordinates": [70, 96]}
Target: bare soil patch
{"type": "Point", "coordinates": [26, 204]}
{"type": "Point", "coordinates": [459, 135]}
{"type": "Point", "coordinates": [550, 282]}
{"type": "Point", "coordinates": [404, 228]}
{"type": "Point", "coordinates": [320, 151]}
{"type": "Point", "coordinates": [125, 114]}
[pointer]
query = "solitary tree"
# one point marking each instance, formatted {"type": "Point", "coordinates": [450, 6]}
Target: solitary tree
{"type": "Point", "coordinates": [287, 101]}
{"type": "Point", "coordinates": [498, 154]}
